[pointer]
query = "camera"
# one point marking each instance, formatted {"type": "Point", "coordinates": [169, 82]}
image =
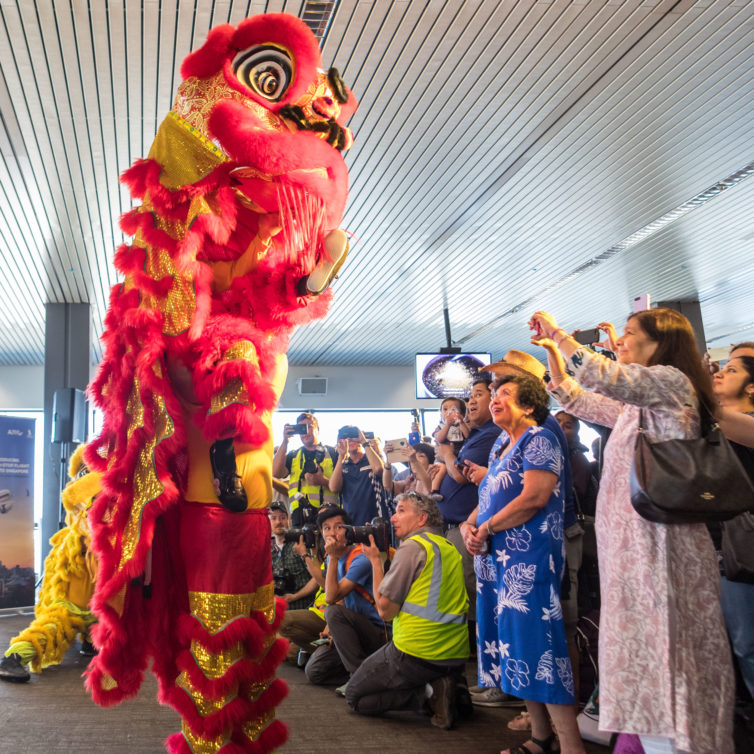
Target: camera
{"type": "Point", "coordinates": [284, 583]}
{"type": "Point", "coordinates": [306, 523]}
{"type": "Point", "coordinates": [379, 528]}
{"type": "Point", "coordinates": [307, 531]}
{"type": "Point", "coordinates": [299, 429]}
{"type": "Point", "coordinates": [312, 461]}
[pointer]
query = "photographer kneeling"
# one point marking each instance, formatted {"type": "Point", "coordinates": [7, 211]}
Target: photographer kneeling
{"type": "Point", "coordinates": [356, 629]}
{"type": "Point", "coordinates": [425, 596]}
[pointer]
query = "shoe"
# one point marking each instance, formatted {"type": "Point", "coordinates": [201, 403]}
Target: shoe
{"type": "Point", "coordinates": [341, 690]}
{"type": "Point", "coordinates": [11, 669]}
{"type": "Point", "coordinates": [228, 486]}
{"type": "Point", "coordinates": [493, 697]}
{"type": "Point", "coordinates": [88, 649]}
{"type": "Point", "coordinates": [336, 248]}
{"type": "Point", "coordinates": [442, 702]}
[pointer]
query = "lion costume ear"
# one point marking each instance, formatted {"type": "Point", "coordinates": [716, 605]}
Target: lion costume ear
{"type": "Point", "coordinates": [209, 58]}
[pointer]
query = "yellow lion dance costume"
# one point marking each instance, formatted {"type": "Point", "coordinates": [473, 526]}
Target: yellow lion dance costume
{"type": "Point", "coordinates": [62, 611]}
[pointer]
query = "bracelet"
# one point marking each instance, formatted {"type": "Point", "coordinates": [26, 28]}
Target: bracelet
{"type": "Point", "coordinates": [559, 329]}
{"type": "Point", "coordinates": [489, 529]}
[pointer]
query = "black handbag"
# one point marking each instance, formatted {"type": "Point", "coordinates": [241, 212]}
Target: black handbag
{"type": "Point", "coordinates": [688, 481]}
{"type": "Point", "coordinates": [738, 548]}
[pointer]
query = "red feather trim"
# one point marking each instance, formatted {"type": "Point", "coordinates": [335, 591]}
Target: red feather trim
{"type": "Point", "coordinates": [246, 670]}
{"type": "Point", "coordinates": [235, 712]}
{"type": "Point", "coordinates": [271, 738]}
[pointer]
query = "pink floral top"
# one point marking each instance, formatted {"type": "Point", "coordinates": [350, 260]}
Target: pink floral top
{"type": "Point", "coordinates": [664, 661]}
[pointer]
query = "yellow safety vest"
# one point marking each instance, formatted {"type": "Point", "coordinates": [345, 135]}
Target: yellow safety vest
{"type": "Point", "coordinates": [431, 623]}
{"type": "Point", "coordinates": [316, 494]}
{"type": "Point", "coordinates": [320, 601]}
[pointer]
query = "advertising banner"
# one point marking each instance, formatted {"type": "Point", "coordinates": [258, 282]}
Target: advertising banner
{"type": "Point", "coordinates": [16, 511]}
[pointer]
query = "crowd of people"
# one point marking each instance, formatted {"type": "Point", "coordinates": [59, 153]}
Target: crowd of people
{"type": "Point", "coordinates": [490, 550]}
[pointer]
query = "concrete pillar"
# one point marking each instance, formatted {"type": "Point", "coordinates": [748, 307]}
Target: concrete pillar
{"type": "Point", "coordinates": [693, 313]}
{"type": "Point", "coordinates": [67, 357]}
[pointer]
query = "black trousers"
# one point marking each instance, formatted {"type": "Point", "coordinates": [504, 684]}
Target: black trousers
{"type": "Point", "coordinates": [393, 680]}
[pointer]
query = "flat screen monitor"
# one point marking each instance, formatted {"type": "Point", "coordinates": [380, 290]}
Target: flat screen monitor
{"type": "Point", "coordinates": [447, 375]}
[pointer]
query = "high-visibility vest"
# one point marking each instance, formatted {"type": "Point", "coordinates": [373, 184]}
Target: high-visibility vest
{"type": "Point", "coordinates": [432, 623]}
{"type": "Point", "coordinates": [316, 494]}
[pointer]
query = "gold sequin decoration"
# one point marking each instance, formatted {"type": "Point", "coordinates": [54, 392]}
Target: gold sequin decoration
{"type": "Point", "coordinates": [203, 705]}
{"type": "Point", "coordinates": [199, 745]}
{"type": "Point", "coordinates": [134, 410]}
{"type": "Point", "coordinates": [233, 392]}
{"type": "Point", "coordinates": [108, 683]}
{"type": "Point", "coordinates": [216, 665]}
{"type": "Point", "coordinates": [145, 483]}
{"type": "Point", "coordinates": [253, 728]}
{"type": "Point", "coordinates": [184, 153]}
{"type": "Point", "coordinates": [257, 688]}
{"type": "Point", "coordinates": [174, 228]}
{"type": "Point", "coordinates": [243, 349]}
{"type": "Point", "coordinates": [178, 306]}
{"type": "Point", "coordinates": [216, 610]}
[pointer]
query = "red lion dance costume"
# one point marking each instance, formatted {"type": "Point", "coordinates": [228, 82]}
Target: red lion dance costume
{"type": "Point", "coordinates": [241, 196]}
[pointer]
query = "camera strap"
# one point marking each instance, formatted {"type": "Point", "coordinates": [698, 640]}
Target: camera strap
{"type": "Point", "coordinates": [302, 459]}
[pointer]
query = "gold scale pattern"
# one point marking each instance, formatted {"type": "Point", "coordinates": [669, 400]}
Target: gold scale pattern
{"type": "Point", "coordinates": [215, 611]}
{"type": "Point", "coordinates": [234, 391]}
{"type": "Point", "coordinates": [145, 482]}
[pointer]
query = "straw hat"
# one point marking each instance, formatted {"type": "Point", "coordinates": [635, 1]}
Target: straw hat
{"type": "Point", "coordinates": [515, 362]}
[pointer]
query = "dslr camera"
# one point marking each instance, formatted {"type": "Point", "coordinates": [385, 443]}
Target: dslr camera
{"type": "Point", "coordinates": [312, 461]}
{"type": "Point", "coordinates": [378, 527]}
{"type": "Point", "coordinates": [306, 513]}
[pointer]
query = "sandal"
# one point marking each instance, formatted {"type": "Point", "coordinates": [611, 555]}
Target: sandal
{"type": "Point", "coordinates": [544, 744]}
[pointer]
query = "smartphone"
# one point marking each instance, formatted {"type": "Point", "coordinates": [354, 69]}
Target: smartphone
{"type": "Point", "coordinates": [587, 337]}
{"type": "Point", "coordinates": [299, 429]}
{"type": "Point", "coordinates": [461, 465]}
{"type": "Point", "coordinates": [369, 435]}
{"type": "Point", "coordinates": [414, 438]}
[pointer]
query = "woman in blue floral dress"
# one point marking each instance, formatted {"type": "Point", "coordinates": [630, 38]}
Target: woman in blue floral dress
{"type": "Point", "coordinates": [516, 534]}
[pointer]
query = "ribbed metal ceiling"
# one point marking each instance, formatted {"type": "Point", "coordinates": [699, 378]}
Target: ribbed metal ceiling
{"type": "Point", "coordinates": [500, 146]}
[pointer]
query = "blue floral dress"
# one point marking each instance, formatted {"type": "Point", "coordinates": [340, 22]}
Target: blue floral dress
{"type": "Point", "coordinates": [522, 646]}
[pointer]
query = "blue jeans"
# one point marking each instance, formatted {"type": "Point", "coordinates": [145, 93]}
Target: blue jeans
{"type": "Point", "coordinates": [737, 601]}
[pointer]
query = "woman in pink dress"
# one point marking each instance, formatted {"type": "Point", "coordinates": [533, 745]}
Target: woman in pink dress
{"type": "Point", "coordinates": [665, 665]}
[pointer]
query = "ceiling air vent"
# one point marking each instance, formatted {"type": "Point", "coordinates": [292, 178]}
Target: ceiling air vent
{"type": "Point", "coordinates": [317, 15]}
{"type": "Point", "coordinates": [312, 385]}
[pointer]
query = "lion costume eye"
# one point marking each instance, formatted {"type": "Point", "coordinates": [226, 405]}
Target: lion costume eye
{"type": "Point", "coordinates": [266, 70]}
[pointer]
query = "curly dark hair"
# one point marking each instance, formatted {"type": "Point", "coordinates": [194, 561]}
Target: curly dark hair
{"type": "Point", "coordinates": [427, 449]}
{"type": "Point", "coordinates": [531, 394]}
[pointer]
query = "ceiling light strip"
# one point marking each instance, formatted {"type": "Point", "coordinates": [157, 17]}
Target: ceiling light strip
{"type": "Point", "coordinates": [741, 329]}
{"type": "Point", "coordinates": [635, 238]}
{"type": "Point", "coordinates": [318, 15]}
